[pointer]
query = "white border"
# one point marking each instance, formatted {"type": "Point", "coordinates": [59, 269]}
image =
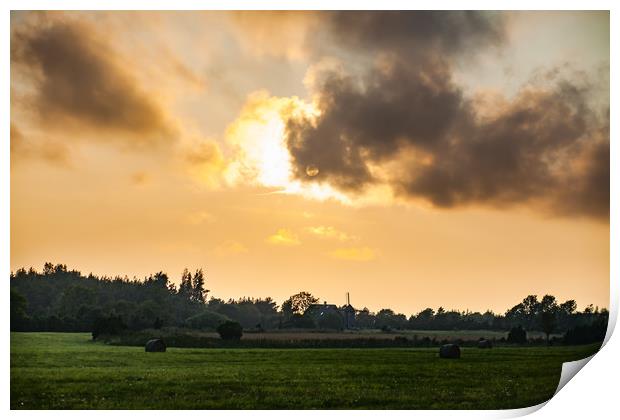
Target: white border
{"type": "Point", "coordinates": [593, 394]}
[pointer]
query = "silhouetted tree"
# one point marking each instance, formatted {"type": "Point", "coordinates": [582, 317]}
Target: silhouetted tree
{"type": "Point", "coordinates": [75, 297]}
{"type": "Point", "coordinates": [566, 312]}
{"type": "Point", "coordinates": [365, 319]}
{"type": "Point", "coordinates": [19, 318]}
{"type": "Point", "coordinates": [198, 291]}
{"type": "Point", "coordinates": [548, 310]}
{"type": "Point", "coordinates": [299, 302]}
{"type": "Point", "coordinates": [59, 299]}
{"type": "Point", "coordinates": [48, 268]}
{"type": "Point", "coordinates": [569, 307]}
{"type": "Point", "coordinates": [185, 288]}
{"type": "Point", "coordinates": [423, 320]}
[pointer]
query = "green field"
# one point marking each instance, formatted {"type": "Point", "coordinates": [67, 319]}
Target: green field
{"type": "Point", "coordinates": [62, 370]}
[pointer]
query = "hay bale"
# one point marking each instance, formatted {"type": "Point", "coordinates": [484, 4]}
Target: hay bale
{"type": "Point", "coordinates": [485, 344]}
{"type": "Point", "coordinates": [450, 351]}
{"type": "Point", "coordinates": [155, 345]}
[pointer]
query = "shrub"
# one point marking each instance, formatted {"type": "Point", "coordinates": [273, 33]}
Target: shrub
{"type": "Point", "coordinates": [230, 330]}
{"type": "Point", "coordinates": [206, 320]}
{"type": "Point", "coordinates": [517, 335]}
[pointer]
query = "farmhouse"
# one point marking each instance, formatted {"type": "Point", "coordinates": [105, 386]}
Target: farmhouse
{"type": "Point", "coordinates": [321, 312]}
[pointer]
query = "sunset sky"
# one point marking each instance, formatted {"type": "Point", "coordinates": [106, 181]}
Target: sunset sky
{"type": "Point", "coordinates": [412, 159]}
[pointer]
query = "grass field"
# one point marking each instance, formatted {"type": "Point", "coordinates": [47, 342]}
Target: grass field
{"type": "Point", "coordinates": [62, 370]}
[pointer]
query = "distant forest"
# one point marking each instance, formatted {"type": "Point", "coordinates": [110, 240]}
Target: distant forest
{"type": "Point", "coordinates": [58, 299]}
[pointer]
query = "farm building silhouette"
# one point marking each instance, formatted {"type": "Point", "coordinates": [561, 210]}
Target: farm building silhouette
{"type": "Point", "coordinates": [321, 311]}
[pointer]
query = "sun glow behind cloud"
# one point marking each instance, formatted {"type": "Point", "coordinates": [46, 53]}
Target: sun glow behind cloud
{"type": "Point", "coordinates": [257, 140]}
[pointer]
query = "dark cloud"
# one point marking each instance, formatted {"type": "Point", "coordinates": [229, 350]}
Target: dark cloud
{"type": "Point", "coordinates": [78, 78]}
{"type": "Point", "coordinates": [398, 105]}
{"type": "Point", "coordinates": [546, 145]}
{"type": "Point", "coordinates": [416, 33]}
{"type": "Point", "coordinates": [530, 150]}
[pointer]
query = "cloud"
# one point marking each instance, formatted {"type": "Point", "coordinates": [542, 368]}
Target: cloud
{"type": "Point", "coordinates": [206, 163]}
{"type": "Point", "coordinates": [402, 121]}
{"type": "Point", "coordinates": [530, 150]}
{"type": "Point", "coordinates": [329, 232]}
{"type": "Point", "coordinates": [46, 149]}
{"type": "Point", "coordinates": [416, 33]}
{"type": "Point", "coordinates": [229, 248]}
{"type": "Point", "coordinates": [275, 33]}
{"type": "Point", "coordinates": [79, 80]}
{"type": "Point", "coordinates": [354, 254]}
{"type": "Point", "coordinates": [284, 237]}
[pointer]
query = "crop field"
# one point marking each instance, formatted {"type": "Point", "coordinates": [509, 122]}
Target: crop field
{"type": "Point", "coordinates": [344, 335]}
{"type": "Point", "coordinates": [69, 371]}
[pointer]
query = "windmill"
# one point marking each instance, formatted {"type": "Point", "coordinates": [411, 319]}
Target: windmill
{"type": "Point", "coordinates": [348, 313]}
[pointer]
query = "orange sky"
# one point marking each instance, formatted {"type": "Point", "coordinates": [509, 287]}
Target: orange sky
{"type": "Point", "coordinates": [157, 141]}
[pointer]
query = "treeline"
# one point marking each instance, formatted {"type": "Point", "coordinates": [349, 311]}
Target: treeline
{"type": "Point", "coordinates": [58, 299]}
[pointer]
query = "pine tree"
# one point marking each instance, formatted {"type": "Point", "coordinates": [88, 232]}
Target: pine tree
{"type": "Point", "coordinates": [199, 293]}
{"type": "Point", "coordinates": [185, 288]}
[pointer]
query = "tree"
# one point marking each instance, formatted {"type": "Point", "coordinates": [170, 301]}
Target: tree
{"type": "Point", "coordinates": [48, 269]}
{"type": "Point", "coordinates": [198, 291]}
{"type": "Point", "coordinates": [365, 319]}
{"type": "Point", "coordinates": [299, 303]}
{"type": "Point", "coordinates": [158, 280]}
{"type": "Point", "coordinates": [65, 300]}
{"type": "Point", "coordinates": [548, 314]}
{"type": "Point", "coordinates": [75, 297]}
{"type": "Point", "coordinates": [19, 319]}
{"type": "Point", "coordinates": [566, 311]}
{"type": "Point", "coordinates": [423, 319]}
{"type": "Point", "coordinates": [185, 288]}
{"type": "Point", "coordinates": [387, 318]}
{"type": "Point", "coordinates": [569, 307]}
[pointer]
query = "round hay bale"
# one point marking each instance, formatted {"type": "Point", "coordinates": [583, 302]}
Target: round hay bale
{"type": "Point", "coordinates": [450, 351]}
{"type": "Point", "coordinates": [155, 345]}
{"type": "Point", "coordinates": [485, 344]}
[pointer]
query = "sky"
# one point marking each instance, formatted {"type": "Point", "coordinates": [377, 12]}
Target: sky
{"type": "Point", "coordinates": [412, 159]}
